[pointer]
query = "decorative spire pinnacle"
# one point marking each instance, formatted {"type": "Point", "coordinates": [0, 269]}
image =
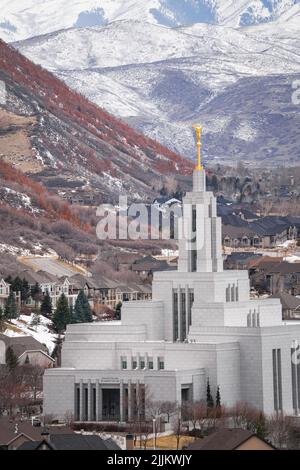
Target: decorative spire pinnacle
{"type": "Point", "coordinates": [198, 130]}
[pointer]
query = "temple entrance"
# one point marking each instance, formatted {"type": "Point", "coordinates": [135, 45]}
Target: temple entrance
{"type": "Point", "coordinates": [111, 405]}
{"type": "Point", "coordinates": [186, 394]}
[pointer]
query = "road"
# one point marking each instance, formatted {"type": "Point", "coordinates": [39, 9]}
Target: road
{"type": "Point", "coordinates": [51, 266]}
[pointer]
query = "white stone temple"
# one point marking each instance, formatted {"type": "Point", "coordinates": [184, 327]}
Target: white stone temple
{"type": "Point", "coordinates": [201, 325]}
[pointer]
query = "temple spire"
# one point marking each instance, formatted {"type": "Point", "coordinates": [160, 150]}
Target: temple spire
{"type": "Point", "coordinates": [198, 130]}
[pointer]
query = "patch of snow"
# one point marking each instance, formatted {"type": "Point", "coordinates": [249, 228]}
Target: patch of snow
{"type": "Point", "coordinates": [40, 332]}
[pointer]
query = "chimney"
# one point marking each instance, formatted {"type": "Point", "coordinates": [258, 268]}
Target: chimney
{"type": "Point", "coordinates": [129, 442]}
{"type": "Point", "coordinates": [46, 435]}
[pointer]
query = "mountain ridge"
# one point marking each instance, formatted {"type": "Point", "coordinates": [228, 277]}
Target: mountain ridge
{"type": "Point", "coordinates": [19, 21]}
{"type": "Point", "coordinates": [86, 144]}
{"type": "Point", "coordinates": [164, 81]}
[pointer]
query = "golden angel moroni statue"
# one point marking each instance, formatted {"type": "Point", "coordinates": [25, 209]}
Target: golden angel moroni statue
{"type": "Point", "coordinates": [198, 130]}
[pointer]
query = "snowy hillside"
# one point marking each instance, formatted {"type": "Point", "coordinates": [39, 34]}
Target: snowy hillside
{"type": "Point", "coordinates": [20, 20]}
{"type": "Point", "coordinates": [41, 332]}
{"type": "Point", "coordinates": [167, 79]}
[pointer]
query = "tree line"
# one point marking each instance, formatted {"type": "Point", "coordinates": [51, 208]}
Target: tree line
{"type": "Point", "coordinates": [61, 316]}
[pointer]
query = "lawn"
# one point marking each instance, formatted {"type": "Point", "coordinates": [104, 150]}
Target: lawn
{"type": "Point", "coordinates": [170, 442]}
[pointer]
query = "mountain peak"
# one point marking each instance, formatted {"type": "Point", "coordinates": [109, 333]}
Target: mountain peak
{"type": "Point", "coordinates": [21, 20]}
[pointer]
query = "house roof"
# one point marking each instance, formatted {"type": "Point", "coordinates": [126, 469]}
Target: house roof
{"type": "Point", "coordinates": [234, 231]}
{"type": "Point", "coordinates": [21, 344]}
{"type": "Point", "coordinates": [289, 302]}
{"type": "Point", "coordinates": [79, 281]}
{"type": "Point", "coordinates": [8, 430]}
{"type": "Point", "coordinates": [240, 256]}
{"type": "Point", "coordinates": [271, 225]}
{"type": "Point", "coordinates": [284, 268]}
{"type": "Point", "coordinates": [73, 442]}
{"type": "Point", "coordinates": [265, 261]}
{"type": "Point", "coordinates": [265, 226]}
{"type": "Point", "coordinates": [39, 351]}
{"type": "Point", "coordinates": [225, 439]}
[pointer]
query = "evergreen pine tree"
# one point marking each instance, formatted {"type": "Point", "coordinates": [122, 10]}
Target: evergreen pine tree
{"type": "Point", "coordinates": [61, 316]}
{"type": "Point", "coordinates": [25, 290]}
{"type": "Point", "coordinates": [82, 311]}
{"type": "Point", "coordinates": [11, 309]}
{"type": "Point", "coordinates": [71, 313]}
{"type": "Point", "coordinates": [36, 294]}
{"type": "Point", "coordinates": [9, 280]}
{"type": "Point", "coordinates": [261, 429]}
{"type": "Point", "coordinates": [11, 359]}
{"type": "Point", "coordinates": [118, 310]}
{"type": "Point", "coordinates": [218, 398]}
{"type": "Point", "coordinates": [17, 284]}
{"type": "Point", "coordinates": [209, 398]}
{"type": "Point", "coordinates": [35, 322]}
{"type": "Point", "coordinates": [46, 306]}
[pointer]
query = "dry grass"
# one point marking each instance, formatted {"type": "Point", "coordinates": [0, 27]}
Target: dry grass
{"type": "Point", "coordinates": [16, 148]}
{"type": "Point", "coordinates": [170, 442]}
{"type": "Point", "coordinates": [9, 326]}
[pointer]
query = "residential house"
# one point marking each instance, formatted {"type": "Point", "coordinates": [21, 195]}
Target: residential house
{"type": "Point", "coordinates": [148, 265]}
{"type": "Point", "coordinates": [133, 292]}
{"type": "Point", "coordinates": [4, 292]}
{"type": "Point", "coordinates": [240, 259]}
{"type": "Point", "coordinates": [16, 432]}
{"type": "Point", "coordinates": [103, 291]}
{"type": "Point", "coordinates": [70, 442]}
{"type": "Point", "coordinates": [277, 277]}
{"type": "Point", "coordinates": [49, 283]}
{"type": "Point", "coordinates": [290, 305]}
{"type": "Point", "coordinates": [27, 350]}
{"type": "Point", "coordinates": [267, 232]}
{"type": "Point", "coordinates": [231, 439]}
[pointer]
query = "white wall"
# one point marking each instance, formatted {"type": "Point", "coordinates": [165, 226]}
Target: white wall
{"type": "Point", "coordinates": [2, 352]}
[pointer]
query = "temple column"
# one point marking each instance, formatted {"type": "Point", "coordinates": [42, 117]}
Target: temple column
{"type": "Point", "coordinates": [187, 309]}
{"type": "Point", "coordinates": [137, 396]}
{"type": "Point", "coordinates": [121, 401]}
{"type": "Point", "coordinates": [100, 403]}
{"type": "Point", "coordinates": [81, 400]}
{"type": "Point", "coordinates": [97, 400]}
{"type": "Point", "coordinates": [179, 314]}
{"type": "Point", "coordinates": [89, 396]}
{"type": "Point", "coordinates": [129, 401]}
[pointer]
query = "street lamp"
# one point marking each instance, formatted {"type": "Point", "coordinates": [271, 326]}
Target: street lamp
{"type": "Point", "coordinates": [154, 433]}
{"type": "Point", "coordinates": [295, 362]}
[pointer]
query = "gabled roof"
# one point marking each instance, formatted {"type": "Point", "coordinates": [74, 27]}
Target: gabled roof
{"type": "Point", "coordinates": [284, 268]}
{"type": "Point", "coordinates": [79, 282]}
{"type": "Point", "coordinates": [21, 344]}
{"type": "Point", "coordinates": [225, 439]}
{"type": "Point", "coordinates": [72, 442]}
{"type": "Point", "coordinates": [289, 302]}
{"type": "Point", "coordinates": [37, 350]}
{"type": "Point", "coordinates": [8, 430]}
{"type": "Point", "coordinates": [271, 225]}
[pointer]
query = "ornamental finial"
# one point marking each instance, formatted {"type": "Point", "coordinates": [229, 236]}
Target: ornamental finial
{"type": "Point", "coordinates": [198, 130]}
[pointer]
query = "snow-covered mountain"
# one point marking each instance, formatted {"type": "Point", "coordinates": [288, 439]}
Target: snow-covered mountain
{"type": "Point", "coordinates": [161, 80]}
{"type": "Point", "coordinates": [27, 18]}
